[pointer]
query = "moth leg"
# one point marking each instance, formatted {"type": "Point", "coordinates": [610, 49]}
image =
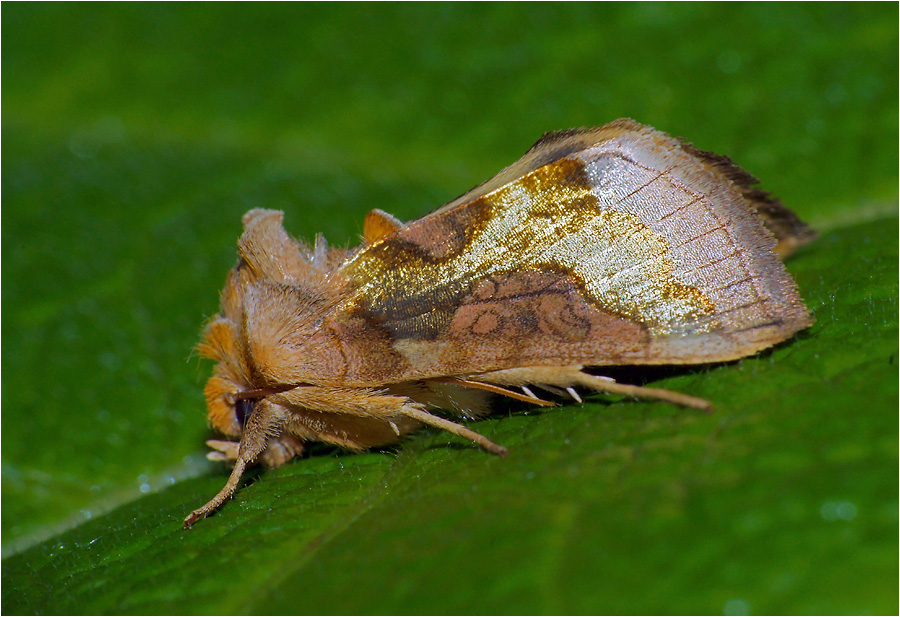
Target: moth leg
{"type": "Point", "coordinates": [417, 413]}
{"type": "Point", "coordinates": [282, 450]}
{"type": "Point", "coordinates": [222, 450]}
{"type": "Point", "coordinates": [388, 409]}
{"type": "Point", "coordinates": [568, 376]}
{"type": "Point", "coordinates": [262, 425]}
{"type": "Point", "coordinates": [529, 396]}
{"type": "Point", "coordinates": [605, 384]}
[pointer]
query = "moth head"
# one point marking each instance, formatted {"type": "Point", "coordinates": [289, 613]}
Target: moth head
{"type": "Point", "coordinates": [228, 413]}
{"type": "Point", "coordinates": [268, 297]}
{"type": "Point", "coordinates": [228, 410]}
{"type": "Point", "coordinates": [231, 404]}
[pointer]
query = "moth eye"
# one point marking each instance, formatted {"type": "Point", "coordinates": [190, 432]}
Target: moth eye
{"type": "Point", "coordinates": [243, 409]}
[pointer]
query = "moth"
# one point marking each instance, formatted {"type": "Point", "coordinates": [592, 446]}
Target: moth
{"type": "Point", "coordinates": [616, 245]}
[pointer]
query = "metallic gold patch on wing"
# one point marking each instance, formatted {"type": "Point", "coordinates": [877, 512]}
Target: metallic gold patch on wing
{"type": "Point", "coordinates": [548, 219]}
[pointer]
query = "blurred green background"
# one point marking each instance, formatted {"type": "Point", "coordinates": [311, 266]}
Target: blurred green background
{"type": "Point", "coordinates": [135, 136]}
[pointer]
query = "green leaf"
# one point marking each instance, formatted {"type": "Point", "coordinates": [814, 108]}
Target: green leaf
{"type": "Point", "coordinates": [135, 137]}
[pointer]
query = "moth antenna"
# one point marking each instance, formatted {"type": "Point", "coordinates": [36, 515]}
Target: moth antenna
{"type": "Point", "coordinates": [605, 384]}
{"type": "Point", "coordinates": [221, 497]}
{"type": "Point", "coordinates": [424, 417]}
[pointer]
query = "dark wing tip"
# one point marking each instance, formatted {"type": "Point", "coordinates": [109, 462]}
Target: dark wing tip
{"type": "Point", "coordinates": [788, 229]}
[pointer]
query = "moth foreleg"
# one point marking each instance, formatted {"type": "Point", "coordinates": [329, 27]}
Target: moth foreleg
{"type": "Point", "coordinates": [417, 413]}
{"type": "Point", "coordinates": [569, 376]}
{"type": "Point", "coordinates": [265, 423]}
{"type": "Point", "coordinates": [276, 454]}
{"type": "Point", "coordinates": [389, 410]}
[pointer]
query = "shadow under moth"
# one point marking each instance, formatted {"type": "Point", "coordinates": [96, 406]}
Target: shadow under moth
{"type": "Point", "coordinates": [616, 245]}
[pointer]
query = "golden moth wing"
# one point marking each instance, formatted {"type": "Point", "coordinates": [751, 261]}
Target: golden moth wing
{"type": "Point", "coordinates": [790, 232]}
{"type": "Point", "coordinates": [627, 250]}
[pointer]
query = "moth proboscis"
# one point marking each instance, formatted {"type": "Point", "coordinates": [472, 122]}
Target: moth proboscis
{"type": "Point", "coordinates": [611, 246]}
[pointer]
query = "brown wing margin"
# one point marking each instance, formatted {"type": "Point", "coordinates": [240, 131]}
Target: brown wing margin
{"type": "Point", "coordinates": [788, 229]}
